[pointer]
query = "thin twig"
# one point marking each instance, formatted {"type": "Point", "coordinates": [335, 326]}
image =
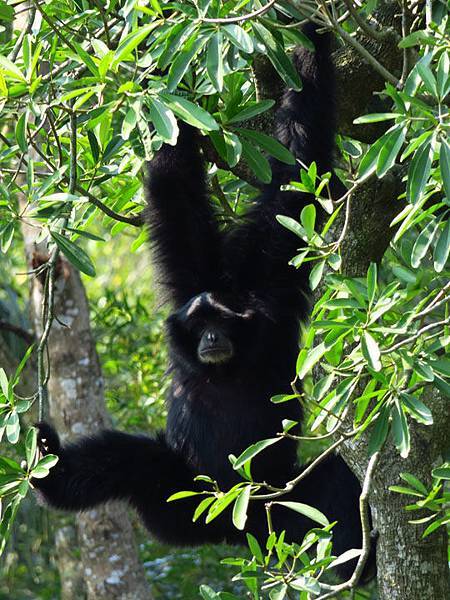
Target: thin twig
{"type": "Point", "coordinates": [363, 24]}
{"type": "Point", "coordinates": [366, 531]}
{"type": "Point", "coordinates": [373, 62]}
{"type": "Point", "coordinates": [49, 290]}
{"type": "Point", "coordinates": [290, 485]}
{"type": "Point", "coordinates": [227, 20]}
{"type": "Point", "coordinates": [414, 337]}
{"type": "Point", "coordinates": [62, 36]}
{"type": "Point", "coordinates": [18, 45]}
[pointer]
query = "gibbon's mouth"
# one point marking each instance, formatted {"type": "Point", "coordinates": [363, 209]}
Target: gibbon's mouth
{"type": "Point", "coordinates": [217, 354]}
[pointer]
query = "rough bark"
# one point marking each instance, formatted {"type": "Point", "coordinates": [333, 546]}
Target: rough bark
{"type": "Point", "coordinates": [71, 578]}
{"type": "Point", "coordinates": [409, 567]}
{"type": "Point", "coordinates": [109, 558]}
{"type": "Point", "coordinates": [357, 81]}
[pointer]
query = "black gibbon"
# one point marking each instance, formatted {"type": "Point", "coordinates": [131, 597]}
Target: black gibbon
{"type": "Point", "coordinates": [233, 340]}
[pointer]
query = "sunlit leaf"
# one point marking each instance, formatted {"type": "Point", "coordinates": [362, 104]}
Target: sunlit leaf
{"type": "Point", "coordinates": [74, 254]}
{"type": "Point", "coordinates": [307, 511]}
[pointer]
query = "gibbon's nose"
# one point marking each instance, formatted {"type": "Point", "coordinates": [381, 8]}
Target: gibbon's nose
{"type": "Point", "coordinates": [211, 337]}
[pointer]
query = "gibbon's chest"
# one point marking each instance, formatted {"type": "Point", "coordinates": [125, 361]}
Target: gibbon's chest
{"type": "Point", "coordinates": [207, 423]}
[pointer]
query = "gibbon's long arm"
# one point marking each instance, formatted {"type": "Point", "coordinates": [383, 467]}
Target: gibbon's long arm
{"type": "Point", "coordinates": [183, 230]}
{"type": "Point", "coordinates": [258, 252]}
{"type": "Point", "coordinates": [117, 466]}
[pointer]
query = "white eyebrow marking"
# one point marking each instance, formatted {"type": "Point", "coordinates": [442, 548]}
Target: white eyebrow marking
{"type": "Point", "coordinates": [216, 304]}
{"type": "Point", "coordinates": [193, 307]}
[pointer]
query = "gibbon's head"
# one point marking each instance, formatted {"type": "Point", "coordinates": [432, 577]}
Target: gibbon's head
{"type": "Point", "coordinates": [206, 333]}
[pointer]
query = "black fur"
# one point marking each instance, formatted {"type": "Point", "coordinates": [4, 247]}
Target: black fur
{"type": "Point", "coordinates": [240, 281]}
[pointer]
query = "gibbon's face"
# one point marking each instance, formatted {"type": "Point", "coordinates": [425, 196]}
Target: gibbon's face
{"type": "Point", "coordinates": [206, 332]}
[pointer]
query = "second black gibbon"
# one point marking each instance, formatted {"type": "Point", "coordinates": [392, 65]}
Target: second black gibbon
{"type": "Point", "coordinates": [233, 340]}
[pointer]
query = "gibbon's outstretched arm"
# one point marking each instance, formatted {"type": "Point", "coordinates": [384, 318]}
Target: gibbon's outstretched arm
{"type": "Point", "coordinates": [117, 466]}
{"type": "Point", "coordinates": [145, 472]}
{"type": "Point", "coordinates": [183, 230]}
{"type": "Point", "coordinates": [258, 252]}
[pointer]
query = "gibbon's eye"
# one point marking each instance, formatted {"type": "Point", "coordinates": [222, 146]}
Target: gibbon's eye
{"type": "Point", "coordinates": [215, 346]}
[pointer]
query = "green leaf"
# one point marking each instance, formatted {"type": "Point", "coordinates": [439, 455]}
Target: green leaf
{"type": "Point", "coordinates": [130, 42]}
{"type": "Point", "coordinates": [278, 57]}
{"type": "Point", "coordinates": [214, 62]}
{"type": "Point", "coordinates": [233, 148]}
{"type": "Point", "coordinates": [21, 132]}
{"type": "Point", "coordinates": [442, 385]}
{"type": "Point", "coordinates": [180, 495]}
{"type": "Point", "coordinates": [43, 467]}
{"type": "Point", "coordinates": [130, 121]}
{"type": "Point", "coordinates": [417, 38]}
{"type": "Point", "coordinates": [368, 163]}
{"type": "Point", "coordinates": [240, 508]}
{"type": "Point", "coordinates": [371, 351]}
{"type": "Point", "coordinates": [443, 75]}
{"type": "Point", "coordinates": [308, 219]}
{"type": "Point", "coordinates": [427, 77]}
{"type": "Point", "coordinates": [308, 358]}
{"type": "Point", "coordinates": [292, 225]}
{"type": "Point", "coordinates": [419, 171]}
{"type": "Point", "coordinates": [74, 254]}
{"type": "Point", "coordinates": [270, 145]}
{"type": "Point", "coordinates": [208, 593]}
{"type": "Point", "coordinates": [31, 445]}
{"type": "Point", "coordinates": [400, 489]}
{"type": "Point", "coordinates": [444, 163]}
{"type": "Point", "coordinates": [380, 430]}
{"type": "Point", "coordinates": [178, 35]}
{"type": "Point", "coordinates": [315, 277]}
{"type": "Point", "coordinates": [345, 557]}
{"type": "Point", "coordinates": [435, 525]}
{"type": "Point", "coordinates": [23, 489]}
{"type": "Point", "coordinates": [238, 37]}
{"type": "Point", "coordinates": [400, 429]}
{"type": "Point", "coordinates": [93, 143]}
{"type": "Point", "coordinates": [391, 147]}
{"type": "Point", "coordinates": [278, 592]}
{"type": "Point", "coordinates": [7, 465]}
{"type": "Point", "coordinates": [307, 511]}
{"type": "Point", "coordinates": [423, 242]}
{"type": "Point", "coordinates": [61, 197]}
{"type": "Point", "coordinates": [250, 110]}
{"type": "Point", "coordinates": [189, 112]}
{"type": "Point", "coordinates": [13, 427]}
{"type": "Point", "coordinates": [85, 58]}
{"type": "Point", "coordinates": [4, 384]}
{"type": "Point", "coordinates": [417, 408]}
{"type": "Point", "coordinates": [441, 473]}
{"type": "Point", "coordinates": [252, 451]}
{"type": "Point", "coordinates": [6, 12]}
{"type": "Point", "coordinates": [255, 548]}
{"type": "Point", "coordinates": [371, 282]}
{"type": "Point", "coordinates": [6, 523]}
{"type": "Point", "coordinates": [184, 58]}
{"type": "Point", "coordinates": [204, 504]}
{"type": "Point", "coordinates": [221, 504]}
{"type": "Point", "coordinates": [164, 120]}
{"type": "Point", "coordinates": [442, 248]}
{"type": "Point", "coordinates": [376, 117]}
{"type": "Point", "coordinates": [414, 482]}
{"type": "Point", "coordinates": [257, 162]}
{"type": "Point", "coordinates": [306, 584]}
{"type": "Point", "coordinates": [10, 69]}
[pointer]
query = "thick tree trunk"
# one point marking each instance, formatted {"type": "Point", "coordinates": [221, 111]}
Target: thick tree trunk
{"type": "Point", "coordinates": [409, 567]}
{"type": "Point", "coordinates": [110, 563]}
